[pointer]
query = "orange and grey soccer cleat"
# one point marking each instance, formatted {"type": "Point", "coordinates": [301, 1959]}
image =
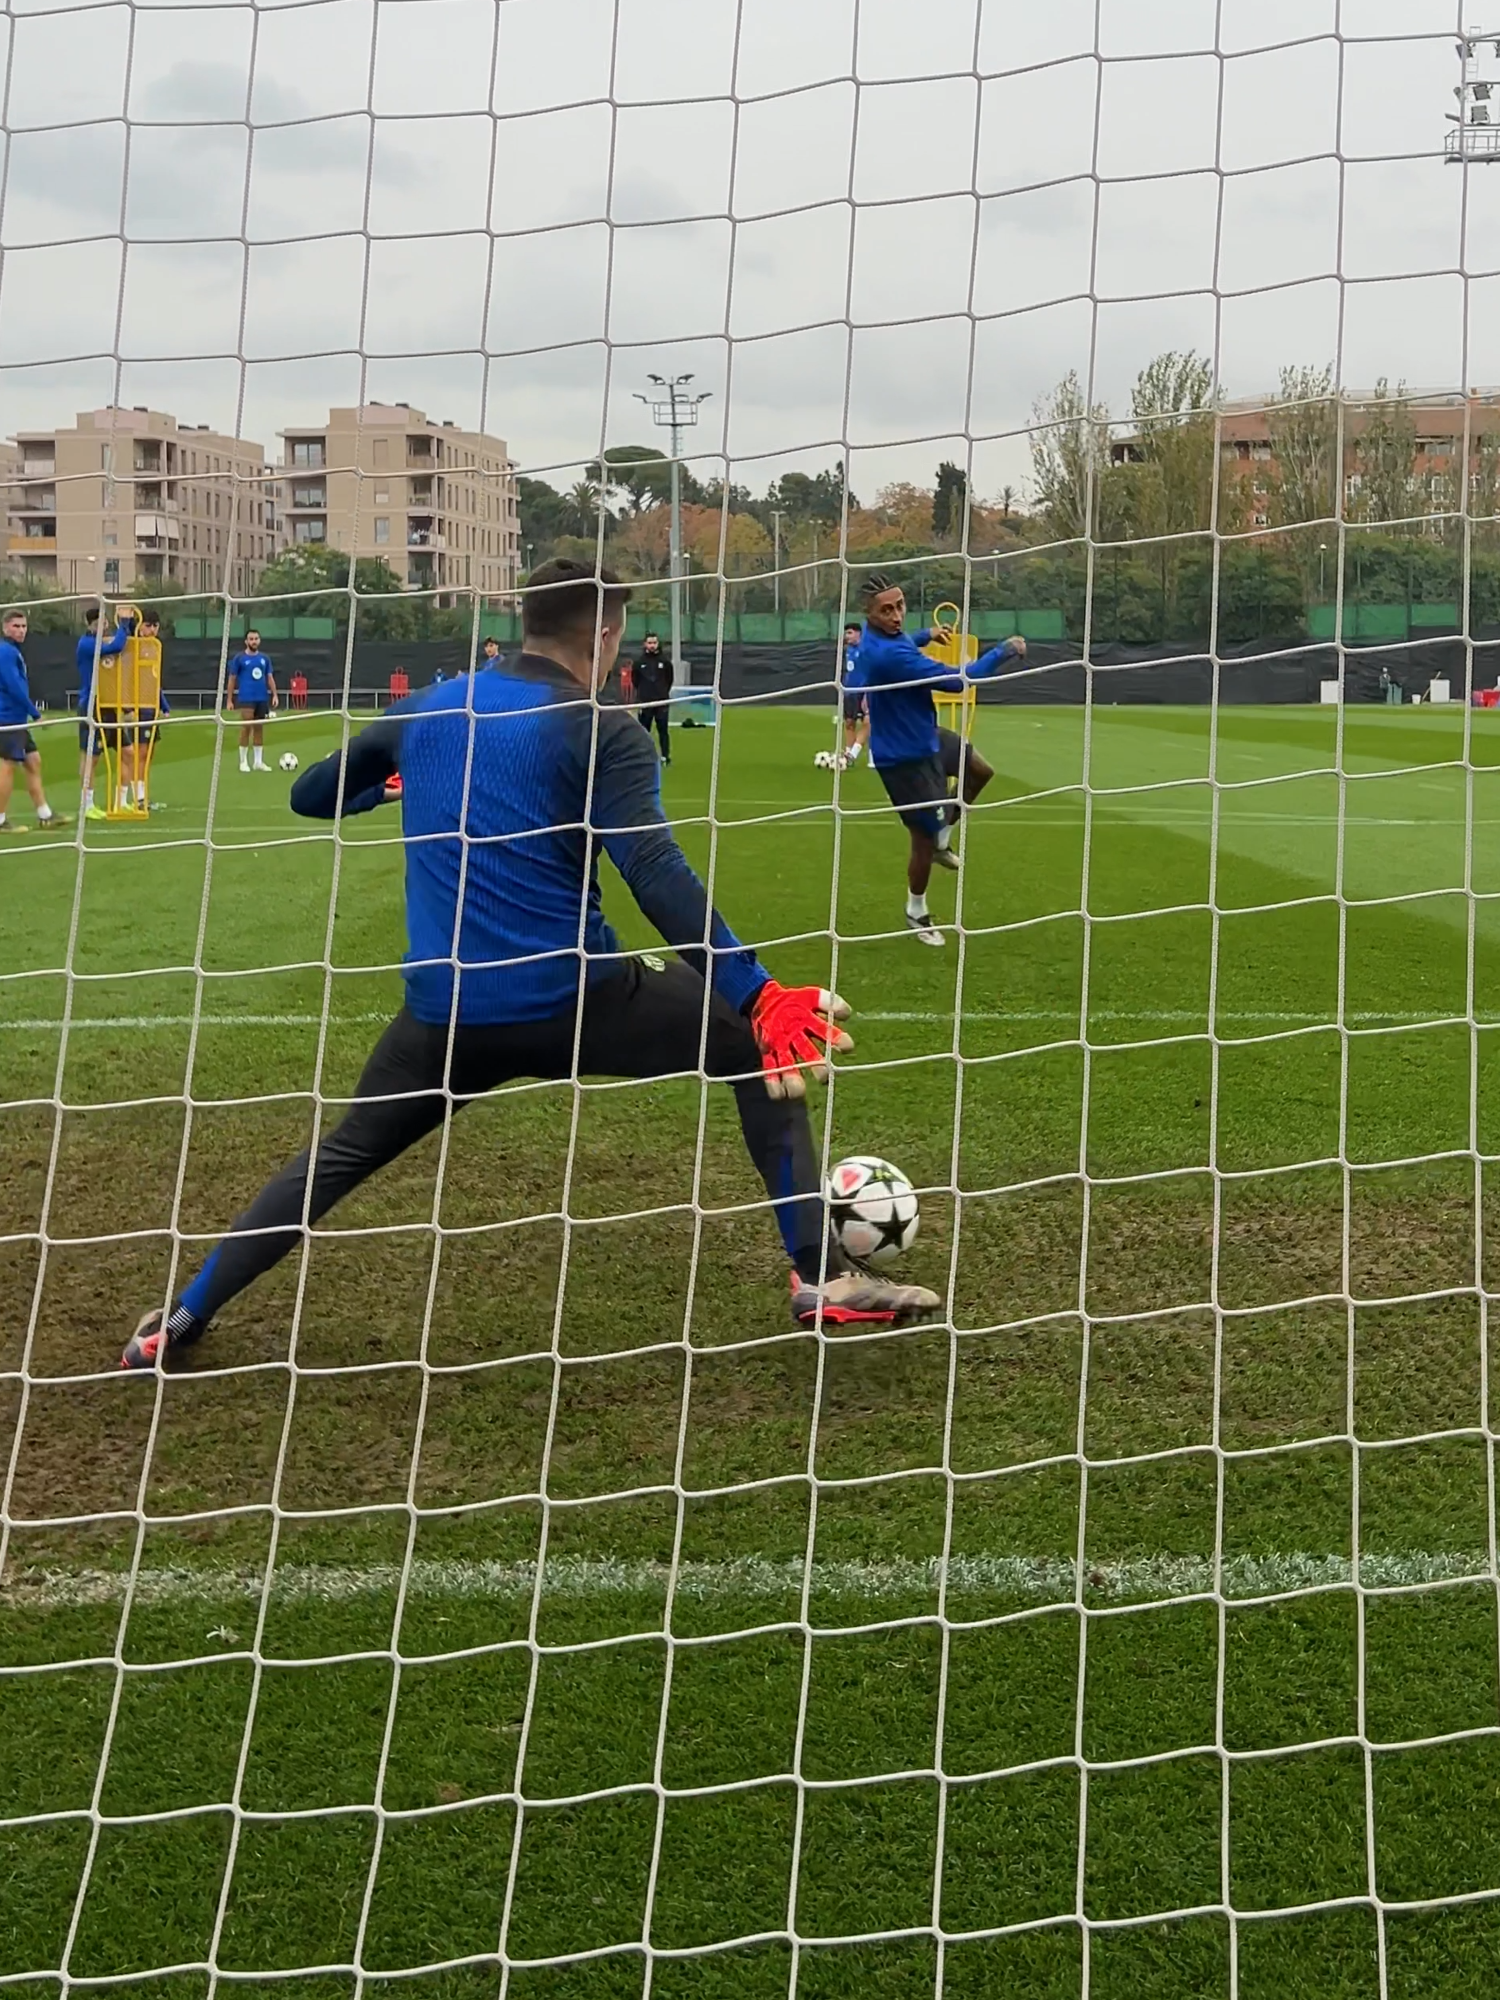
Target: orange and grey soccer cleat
{"type": "Point", "coordinates": [859, 1298]}
{"type": "Point", "coordinates": [147, 1346]}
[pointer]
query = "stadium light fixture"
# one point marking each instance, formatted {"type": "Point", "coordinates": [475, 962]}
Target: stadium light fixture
{"type": "Point", "coordinates": [674, 407]}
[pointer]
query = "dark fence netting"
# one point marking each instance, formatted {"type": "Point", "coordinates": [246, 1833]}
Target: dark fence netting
{"type": "Point", "coordinates": [1052, 674]}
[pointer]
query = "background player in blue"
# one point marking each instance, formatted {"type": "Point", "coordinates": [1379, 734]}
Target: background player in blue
{"type": "Point", "coordinates": [91, 739]}
{"type": "Point", "coordinates": [512, 970]}
{"type": "Point", "coordinates": [856, 710]}
{"type": "Point", "coordinates": [252, 690]}
{"type": "Point", "coordinates": [916, 760]}
{"type": "Point", "coordinates": [17, 744]}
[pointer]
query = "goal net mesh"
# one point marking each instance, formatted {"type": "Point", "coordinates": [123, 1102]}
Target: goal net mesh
{"type": "Point", "coordinates": [508, 1598]}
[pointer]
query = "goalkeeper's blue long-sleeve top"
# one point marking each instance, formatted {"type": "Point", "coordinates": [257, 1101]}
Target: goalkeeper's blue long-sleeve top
{"type": "Point", "coordinates": [900, 681]}
{"type": "Point", "coordinates": [521, 771]}
{"type": "Point", "coordinates": [16, 706]}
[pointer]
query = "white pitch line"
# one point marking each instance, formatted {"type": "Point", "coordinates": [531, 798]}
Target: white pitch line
{"type": "Point", "coordinates": [140, 1021]}
{"type": "Point", "coordinates": [1171, 1016]}
{"type": "Point", "coordinates": [1034, 1579]}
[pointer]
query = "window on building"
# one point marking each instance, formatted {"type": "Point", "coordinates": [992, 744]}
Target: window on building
{"type": "Point", "coordinates": [382, 454]}
{"type": "Point", "coordinates": [308, 496]}
{"type": "Point", "coordinates": [382, 528]}
{"type": "Point", "coordinates": [307, 451]}
{"type": "Point", "coordinates": [111, 539]}
{"type": "Point", "coordinates": [382, 496]}
{"type": "Point", "coordinates": [310, 531]}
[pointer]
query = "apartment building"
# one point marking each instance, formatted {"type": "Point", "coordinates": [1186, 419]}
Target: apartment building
{"type": "Point", "coordinates": [133, 497]}
{"type": "Point", "coordinates": [1440, 420]}
{"type": "Point", "coordinates": [435, 502]}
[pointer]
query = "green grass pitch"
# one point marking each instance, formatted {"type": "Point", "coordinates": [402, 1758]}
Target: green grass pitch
{"type": "Point", "coordinates": [1208, 1693]}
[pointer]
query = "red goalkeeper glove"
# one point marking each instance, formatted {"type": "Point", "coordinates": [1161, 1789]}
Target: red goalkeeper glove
{"type": "Point", "coordinates": [795, 1028]}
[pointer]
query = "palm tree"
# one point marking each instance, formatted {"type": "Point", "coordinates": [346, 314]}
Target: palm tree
{"type": "Point", "coordinates": [585, 503]}
{"type": "Point", "coordinates": [1007, 501]}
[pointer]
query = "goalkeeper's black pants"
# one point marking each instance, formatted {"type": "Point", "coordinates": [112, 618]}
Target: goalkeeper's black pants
{"type": "Point", "coordinates": [646, 1020]}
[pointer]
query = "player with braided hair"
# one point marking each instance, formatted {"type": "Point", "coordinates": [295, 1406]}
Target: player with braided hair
{"type": "Point", "coordinates": [918, 762]}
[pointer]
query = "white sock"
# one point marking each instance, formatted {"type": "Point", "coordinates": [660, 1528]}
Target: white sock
{"type": "Point", "coordinates": [140, 791]}
{"type": "Point", "coordinates": [260, 762]}
{"type": "Point", "coordinates": [88, 802]}
{"type": "Point", "coordinates": [916, 906]}
{"type": "Point", "coordinates": [44, 813]}
{"type": "Point", "coordinates": [244, 760]}
{"type": "Point", "coordinates": [946, 835]}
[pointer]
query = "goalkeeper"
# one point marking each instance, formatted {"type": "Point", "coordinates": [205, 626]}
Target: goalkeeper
{"type": "Point", "coordinates": [511, 783]}
{"type": "Point", "coordinates": [915, 759]}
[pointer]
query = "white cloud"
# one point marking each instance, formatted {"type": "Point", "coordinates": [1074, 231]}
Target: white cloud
{"type": "Point", "coordinates": [431, 302]}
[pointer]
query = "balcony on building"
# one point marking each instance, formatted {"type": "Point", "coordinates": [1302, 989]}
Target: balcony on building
{"type": "Point", "coordinates": [424, 531]}
{"type": "Point", "coordinates": [306, 454]}
{"type": "Point", "coordinates": [36, 538]}
{"type": "Point", "coordinates": [422, 451]}
{"type": "Point", "coordinates": [156, 531]}
{"type": "Point", "coordinates": [35, 500]}
{"type": "Point", "coordinates": [309, 496]}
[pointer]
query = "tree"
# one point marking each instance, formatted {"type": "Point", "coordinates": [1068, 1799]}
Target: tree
{"type": "Point", "coordinates": [948, 501]}
{"type": "Point", "coordinates": [1068, 456]}
{"type": "Point", "coordinates": [746, 545]}
{"type": "Point", "coordinates": [644, 541]}
{"type": "Point", "coordinates": [1303, 421]}
{"type": "Point", "coordinates": [640, 471]}
{"type": "Point", "coordinates": [584, 502]}
{"type": "Point", "coordinates": [290, 583]}
{"type": "Point", "coordinates": [1007, 500]}
{"type": "Point", "coordinates": [543, 513]}
{"type": "Point", "coordinates": [1386, 454]}
{"type": "Point", "coordinates": [1173, 408]}
{"type": "Point", "coordinates": [818, 497]}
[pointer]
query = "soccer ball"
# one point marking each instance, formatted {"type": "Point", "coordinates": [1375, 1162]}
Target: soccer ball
{"type": "Point", "coordinates": [824, 760]}
{"type": "Point", "coordinates": [287, 761]}
{"type": "Point", "coordinates": [874, 1210]}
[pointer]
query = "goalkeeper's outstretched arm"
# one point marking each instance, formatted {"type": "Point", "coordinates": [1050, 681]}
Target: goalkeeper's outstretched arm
{"type": "Point", "coordinates": [795, 1028]}
{"type": "Point", "coordinates": [351, 780]}
{"type": "Point", "coordinates": [632, 828]}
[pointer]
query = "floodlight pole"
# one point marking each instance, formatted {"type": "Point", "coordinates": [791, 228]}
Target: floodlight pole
{"type": "Point", "coordinates": [675, 410]}
{"type": "Point", "coordinates": [1476, 134]}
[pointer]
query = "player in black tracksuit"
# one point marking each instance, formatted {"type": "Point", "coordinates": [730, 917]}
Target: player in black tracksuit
{"type": "Point", "coordinates": [653, 691]}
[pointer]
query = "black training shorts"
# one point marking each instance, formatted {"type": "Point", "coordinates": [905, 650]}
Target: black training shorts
{"type": "Point", "coordinates": [854, 704]}
{"type": "Point", "coordinates": [918, 787]}
{"type": "Point", "coordinates": [253, 711]}
{"type": "Point", "coordinates": [16, 744]}
{"type": "Point", "coordinates": [107, 732]}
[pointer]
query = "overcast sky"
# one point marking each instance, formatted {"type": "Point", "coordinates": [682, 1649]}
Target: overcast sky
{"type": "Point", "coordinates": [890, 222]}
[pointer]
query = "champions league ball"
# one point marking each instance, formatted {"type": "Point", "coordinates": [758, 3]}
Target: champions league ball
{"type": "Point", "coordinates": [287, 761]}
{"type": "Point", "coordinates": [873, 1209]}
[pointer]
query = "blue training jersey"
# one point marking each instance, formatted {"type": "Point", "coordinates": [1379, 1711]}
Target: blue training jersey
{"type": "Point", "coordinates": [899, 682]}
{"type": "Point", "coordinates": [251, 674]}
{"type": "Point", "coordinates": [90, 647]}
{"type": "Point", "coordinates": [16, 706]}
{"type": "Point", "coordinates": [851, 667]}
{"type": "Point", "coordinates": [539, 779]}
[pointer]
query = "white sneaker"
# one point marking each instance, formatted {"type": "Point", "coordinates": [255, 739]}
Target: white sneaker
{"type": "Point", "coordinates": [944, 857]}
{"type": "Point", "coordinates": [926, 931]}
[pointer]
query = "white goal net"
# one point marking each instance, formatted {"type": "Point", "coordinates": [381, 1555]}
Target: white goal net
{"type": "Point", "coordinates": [505, 1595]}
